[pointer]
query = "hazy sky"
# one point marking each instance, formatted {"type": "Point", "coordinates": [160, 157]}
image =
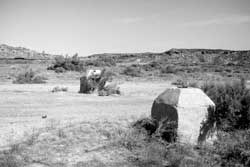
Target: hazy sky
{"type": "Point", "coordinates": [97, 26]}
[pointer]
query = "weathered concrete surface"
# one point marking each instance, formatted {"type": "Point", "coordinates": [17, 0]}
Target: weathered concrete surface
{"type": "Point", "coordinates": [192, 109]}
{"type": "Point", "coordinates": [189, 109]}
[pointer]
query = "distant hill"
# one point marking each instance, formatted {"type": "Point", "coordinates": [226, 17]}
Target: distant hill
{"type": "Point", "coordinates": [172, 56]}
{"type": "Point", "coordinates": [182, 56]}
{"type": "Point", "coordinates": [10, 52]}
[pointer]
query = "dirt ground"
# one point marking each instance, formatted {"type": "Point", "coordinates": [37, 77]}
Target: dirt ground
{"type": "Point", "coordinates": [79, 127]}
{"type": "Point", "coordinates": [22, 106]}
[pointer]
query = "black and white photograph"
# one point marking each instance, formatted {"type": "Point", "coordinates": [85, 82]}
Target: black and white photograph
{"type": "Point", "coordinates": [124, 83]}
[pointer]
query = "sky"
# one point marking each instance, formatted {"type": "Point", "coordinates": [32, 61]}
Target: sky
{"type": "Point", "coordinates": [110, 26]}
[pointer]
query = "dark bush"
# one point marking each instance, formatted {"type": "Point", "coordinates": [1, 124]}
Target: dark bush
{"type": "Point", "coordinates": [59, 70]}
{"type": "Point", "coordinates": [218, 70]}
{"type": "Point", "coordinates": [148, 124]}
{"type": "Point", "coordinates": [154, 65]}
{"type": "Point", "coordinates": [62, 64]}
{"type": "Point", "coordinates": [237, 71]}
{"type": "Point", "coordinates": [75, 59]}
{"type": "Point", "coordinates": [167, 130]}
{"type": "Point", "coordinates": [168, 69]}
{"type": "Point", "coordinates": [232, 102]}
{"type": "Point", "coordinates": [201, 58]}
{"type": "Point", "coordinates": [228, 70]}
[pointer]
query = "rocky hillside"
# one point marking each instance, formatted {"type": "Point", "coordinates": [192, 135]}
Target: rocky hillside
{"type": "Point", "coordinates": [20, 53]}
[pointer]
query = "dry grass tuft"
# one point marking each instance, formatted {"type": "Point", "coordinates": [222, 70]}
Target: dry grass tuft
{"type": "Point", "coordinates": [59, 89]}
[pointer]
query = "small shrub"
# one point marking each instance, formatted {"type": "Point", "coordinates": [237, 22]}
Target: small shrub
{"type": "Point", "coordinates": [154, 65]}
{"type": "Point", "coordinates": [167, 130]}
{"type": "Point", "coordinates": [61, 133]}
{"type": "Point", "coordinates": [59, 89]}
{"type": "Point", "coordinates": [180, 83]}
{"type": "Point", "coordinates": [237, 71]}
{"type": "Point", "coordinates": [147, 124]}
{"type": "Point", "coordinates": [132, 71]}
{"type": "Point", "coordinates": [29, 77]}
{"type": "Point", "coordinates": [106, 89]}
{"type": "Point", "coordinates": [168, 69]}
{"type": "Point", "coordinates": [59, 60]}
{"type": "Point", "coordinates": [228, 70]}
{"type": "Point", "coordinates": [108, 92]}
{"type": "Point", "coordinates": [218, 70]}
{"type": "Point", "coordinates": [202, 58]}
{"type": "Point", "coordinates": [59, 70]}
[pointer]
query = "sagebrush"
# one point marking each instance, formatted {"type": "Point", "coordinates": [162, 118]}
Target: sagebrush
{"type": "Point", "coordinates": [29, 77]}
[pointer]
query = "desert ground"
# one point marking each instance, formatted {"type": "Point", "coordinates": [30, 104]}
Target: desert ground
{"type": "Point", "coordinates": [22, 106]}
{"type": "Point", "coordinates": [44, 128]}
{"type": "Point", "coordinates": [73, 119]}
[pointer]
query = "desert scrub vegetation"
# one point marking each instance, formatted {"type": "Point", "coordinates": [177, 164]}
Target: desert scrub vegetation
{"type": "Point", "coordinates": [168, 69]}
{"type": "Point", "coordinates": [150, 150]}
{"type": "Point", "coordinates": [109, 90]}
{"type": "Point", "coordinates": [59, 89]}
{"type": "Point", "coordinates": [137, 147]}
{"type": "Point", "coordinates": [180, 83]}
{"type": "Point", "coordinates": [229, 149]}
{"type": "Point", "coordinates": [153, 65]}
{"type": "Point", "coordinates": [29, 76]}
{"type": "Point", "coordinates": [233, 148]}
{"type": "Point", "coordinates": [10, 158]}
{"type": "Point", "coordinates": [133, 71]}
{"type": "Point", "coordinates": [101, 62]}
{"type": "Point", "coordinates": [232, 102]}
{"type": "Point", "coordinates": [62, 64]}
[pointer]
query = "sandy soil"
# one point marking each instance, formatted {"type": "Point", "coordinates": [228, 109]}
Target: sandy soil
{"type": "Point", "coordinates": [22, 106]}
